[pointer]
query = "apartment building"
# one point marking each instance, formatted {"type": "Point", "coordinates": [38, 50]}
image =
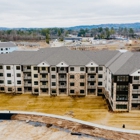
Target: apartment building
{"type": "Point", "coordinates": [7, 47]}
{"type": "Point", "coordinates": [64, 72]}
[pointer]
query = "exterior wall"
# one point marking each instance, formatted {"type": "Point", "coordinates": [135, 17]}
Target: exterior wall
{"type": "Point", "coordinates": [108, 86]}
{"type": "Point", "coordinates": [4, 50]}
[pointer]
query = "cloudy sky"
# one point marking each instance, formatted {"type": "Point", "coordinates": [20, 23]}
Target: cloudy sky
{"type": "Point", "coordinates": [65, 13]}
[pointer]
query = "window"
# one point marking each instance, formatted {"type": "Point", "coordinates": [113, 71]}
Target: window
{"type": "Point", "coordinates": [6, 49]}
{"type": "Point", "coordinates": [82, 69]}
{"type": "Point", "coordinates": [62, 76]}
{"type": "Point", "coordinates": [135, 96]}
{"type": "Point", "coordinates": [8, 74]}
{"type": "Point", "coordinates": [91, 76]}
{"type": "Point", "coordinates": [134, 105]}
{"type": "Point", "coordinates": [9, 89]}
{"type": "Point", "coordinates": [62, 69]}
{"type": "Point", "coordinates": [28, 67]}
{"type": "Point", "coordinates": [1, 67]}
{"type": "Point", "coordinates": [100, 83]}
{"type": "Point", "coordinates": [53, 68]}
{"type": "Point", "coordinates": [71, 76]}
{"type": "Point", "coordinates": [43, 75]}
{"type": "Point", "coordinates": [43, 68]}
{"type": "Point", "coordinates": [53, 76]}
{"type": "Point", "coordinates": [35, 82]}
{"type": "Point", "coordinates": [92, 83]}
{"type": "Point", "coordinates": [53, 91]}
{"type": "Point", "coordinates": [35, 68]}
{"type": "Point", "coordinates": [1, 74]}
{"type": "Point", "coordinates": [8, 67]}
{"type": "Point", "coordinates": [19, 89]}
{"type": "Point", "coordinates": [71, 84]}
{"type": "Point", "coordinates": [18, 82]}
{"type": "Point", "coordinates": [18, 75]}
{"type": "Point", "coordinates": [17, 67]}
{"type": "Point", "coordinates": [9, 82]}
{"type": "Point", "coordinates": [35, 90]}
{"type": "Point", "coordinates": [82, 91]}
{"type": "Point", "coordinates": [136, 77]}
{"type": "Point", "coordinates": [122, 78]}
{"type": "Point", "coordinates": [2, 88]}
{"type": "Point", "coordinates": [1, 49]}
{"type": "Point", "coordinates": [62, 84]}
{"type": "Point", "coordinates": [135, 87]}
{"type": "Point", "coordinates": [71, 91]}
{"type": "Point", "coordinates": [53, 84]}
{"type": "Point", "coordinates": [71, 68]}
{"type": "Point", "coordinates": [100, 90]}
{"type": "Point", "coordinates": [82, 84]}
{"type": "Point", "coordinates": [100, 68]}
{"type": "Point", "coordinates": [122, 87]}
{"type": "Point", "coordinates": [100, 76]}
{"type": "Point", "coordinates": [92, 69]}
{"type": "Point", "coordinates": [1, 82]}
{"type": "Point", "coordinates": [44, 83]}
{"type": "Point", "coordinates": [121, 106]}
{"type": "Point", "coordinates": [82, 76]}
{"type": "Point", "coordinates": [35, 75]}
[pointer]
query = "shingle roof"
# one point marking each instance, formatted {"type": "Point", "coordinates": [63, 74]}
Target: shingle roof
{"type": "Point", "coordinates": [54, 56]}
{"type": "Point", "coordinates": [7, 44]}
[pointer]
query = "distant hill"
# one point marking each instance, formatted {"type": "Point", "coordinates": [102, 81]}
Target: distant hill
{"type": "Point", "coordinates": [127, 25]}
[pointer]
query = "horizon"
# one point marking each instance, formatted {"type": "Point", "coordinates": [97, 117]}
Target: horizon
{"type": "Point", "coordinates": [75, 25]}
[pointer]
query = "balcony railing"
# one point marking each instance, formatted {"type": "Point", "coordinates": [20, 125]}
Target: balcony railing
{"type": "Point", "coordinates": [135, 101]}
{"type": "Point", "coordinates": [62, 79]}
{"type": "Point", "coordinates": [43, 79]}
{"type": "Point", "coordinates": [62, 86]}
{"type": "Point", "coordinates": [43, 71]}
{"type": "Point", "coordinates": [90, 71]}
{"type": "Point", "coordinates": [136, 91]}
{"type": "Point", "coordinates": [44, 86]}
{"type": "Point", "coordinates": [136, 81]}
{"type": "Point", "coordinates": [27, 84]}
{"type": "Point", "coordinates": [27, 77]}
{"type": "Point", "coordinates": [91, 86]}
{"type": "Point", "coordinates": [91, 79]}
{"type": "Point", "coordinates": [122, 99]}
{"type": "Point", "coordinates": [26, 70]}
{"type": "Point", "coordinates": [62, 71]}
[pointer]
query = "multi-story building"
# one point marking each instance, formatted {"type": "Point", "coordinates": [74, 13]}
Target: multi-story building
{"type": "Point", "coordinates": [7, 47]}
{"type": "Point", "coordinates": [64, 72]}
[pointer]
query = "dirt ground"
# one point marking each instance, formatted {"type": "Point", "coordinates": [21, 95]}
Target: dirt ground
{"type": "Point", "coordinates": [20, 130]}
{"type": "Point", "coordinates": [80, 128]}
{"type": "Point", "coordinates": [93, 109]}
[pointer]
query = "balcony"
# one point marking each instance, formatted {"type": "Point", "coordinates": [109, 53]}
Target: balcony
{"type": "Point", "coordinates": [136, 101]}
{"type": "Point", "coordinates": [136, 91]}
{"type": "Point", "coordinates": [62, 86]}
{"type": "Point", "coordinates": [44, 79]}
{"type": "Point", "coordinates": [62, 79]}
{"type": "Point", "coordinates": [91, 79]}
{"type": "Point", "coordinates": [27, 77]}
{"type": "Point", "coordinates": [27, 84]}
{"type": "Point", "coordinates": [43, 71]}
{"type": "Point", "coordinates": [62, 71]}
{"type": "Point", "coordinates": [26, 70]}
{"type": "Point", "coordinates": [91, 86]}
{"type": "Point", "coordinates": [91, 71]}
{"type": "Point", "coordinates": [136, 81]}
{"type": "Point", "coordinates": [44, 86]}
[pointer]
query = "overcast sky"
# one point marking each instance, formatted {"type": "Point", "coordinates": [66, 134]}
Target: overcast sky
{"type": "Point", "coordinates": [65, 13]}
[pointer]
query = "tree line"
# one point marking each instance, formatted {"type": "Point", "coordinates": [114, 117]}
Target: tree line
{"type": "Point", "coordinates": [60, 33]}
